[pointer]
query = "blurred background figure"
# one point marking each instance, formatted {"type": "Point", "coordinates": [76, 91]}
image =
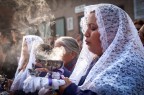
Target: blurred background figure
{"type": "Point", "coordinates": [138, 24]}
{"type": "Point", "coordinates": [26, 60]}
{"type": "Point", "coordinates": [8, 62]}
{"type": "Point", "coordinates": [72, 52]}
{"type": "Point", "coordinates": [141, 34]}
{"type": "Point", "coordinates": [79, 39]}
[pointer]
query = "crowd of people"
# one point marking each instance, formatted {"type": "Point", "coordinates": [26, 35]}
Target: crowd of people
{"type": "Point", "coordinates": [109, 60]}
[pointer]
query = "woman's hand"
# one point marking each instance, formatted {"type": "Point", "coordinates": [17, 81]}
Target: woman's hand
{"type": "Point", "coordinates": [38, 64]}
{"type": "Point", "coordinates": [41, 69]}
{"type": "Point", "coordinates": [67, 83]}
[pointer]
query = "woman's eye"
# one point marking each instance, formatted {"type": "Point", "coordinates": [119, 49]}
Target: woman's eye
{"type": "Point", "coordinates": [93, 27]}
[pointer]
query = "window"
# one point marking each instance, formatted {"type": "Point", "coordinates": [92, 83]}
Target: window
{"type": "Point", "coordinates": [60, 27]}
{"type": "Point", "coordinates": [139, 9]}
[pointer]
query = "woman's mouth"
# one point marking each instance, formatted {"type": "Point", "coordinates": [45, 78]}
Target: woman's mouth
{"type": "Point", "coordinates": [87, 42]}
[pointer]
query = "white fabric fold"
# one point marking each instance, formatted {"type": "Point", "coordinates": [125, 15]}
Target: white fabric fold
{"type": "Point", "coordinates": [32, 83]}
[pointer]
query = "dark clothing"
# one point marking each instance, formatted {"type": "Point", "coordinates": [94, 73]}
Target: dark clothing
{"type": "Point", "coordinates": [68, 69]}
{"type": "Point", "coordinates": [73, 89]}
{"type": "Point", "coordinates": [21, 92]}
{"type": "Point", "coordinates": [9, 70]}
{"type": "Point", "coordinates": [42, 74]}
{"type": "Point", "coordinates": [70, 66]}
{"type": "Point", "coordinates": [9, 66]}
{"type": "Point", "coordinates": [66, 73]}
{"type": "Point", "coordinates": [10, 63]}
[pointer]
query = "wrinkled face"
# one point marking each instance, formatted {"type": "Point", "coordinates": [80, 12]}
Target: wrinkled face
{"type": "Point", "coordinates": [93, 36]}
{"type": "Point", "coordinates": [67, 56]}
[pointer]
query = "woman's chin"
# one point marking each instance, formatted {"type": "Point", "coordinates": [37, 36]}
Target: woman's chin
{"type": "Point", "coordinates": [90, 49]}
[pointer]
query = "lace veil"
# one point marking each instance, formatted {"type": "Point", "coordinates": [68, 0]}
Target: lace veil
{"type": "Point", "coordinates": [120, 69]}
{"type": "Point", "coordinates": [32, 42]}
{"type": "Point", "coordinates": [84, 59]}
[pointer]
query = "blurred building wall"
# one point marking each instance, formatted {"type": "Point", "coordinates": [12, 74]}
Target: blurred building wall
{"type": "Point", "coordinates": [69, 13]}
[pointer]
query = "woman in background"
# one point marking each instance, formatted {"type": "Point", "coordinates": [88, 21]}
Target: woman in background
{"type": "Point", "coordinates": [26, 60]}
{"type": "Point", "coordinates": [71, 53]}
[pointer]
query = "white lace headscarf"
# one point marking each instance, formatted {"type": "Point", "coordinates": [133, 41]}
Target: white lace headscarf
{"type": "Point", "coordinates": [120, 69]}
{"type": "Point", "coordinates": [32, 42]}
{"type": "Point", "coordinates": [84, 59]}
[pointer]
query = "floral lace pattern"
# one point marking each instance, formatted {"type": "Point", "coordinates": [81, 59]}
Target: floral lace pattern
{"type": "Point", "coordinates": [120, 70]}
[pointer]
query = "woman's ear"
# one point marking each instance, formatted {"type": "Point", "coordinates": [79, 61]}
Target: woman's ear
{"type": "Point", "coordinates": [73, 54]}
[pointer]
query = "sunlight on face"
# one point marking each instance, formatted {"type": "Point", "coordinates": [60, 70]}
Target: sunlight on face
{"type": "Point", "coordinates": [93, 36]}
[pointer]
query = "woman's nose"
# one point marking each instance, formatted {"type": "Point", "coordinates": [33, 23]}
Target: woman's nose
{"type": "Point", "coordinates": [87, 33]}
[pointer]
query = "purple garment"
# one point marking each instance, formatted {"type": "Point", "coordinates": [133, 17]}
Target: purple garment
{"type": "Point", "coordinates": [73, 89]}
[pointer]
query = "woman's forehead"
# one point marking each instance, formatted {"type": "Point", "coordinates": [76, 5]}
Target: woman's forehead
{"type": "Point", "coordinates": [91, 18]}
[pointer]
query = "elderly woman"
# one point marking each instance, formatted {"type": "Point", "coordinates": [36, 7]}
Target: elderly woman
{"type": "Point", "coordinates": [118, 68]}
{"type": "Point", "coordinates": [71, 47]}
